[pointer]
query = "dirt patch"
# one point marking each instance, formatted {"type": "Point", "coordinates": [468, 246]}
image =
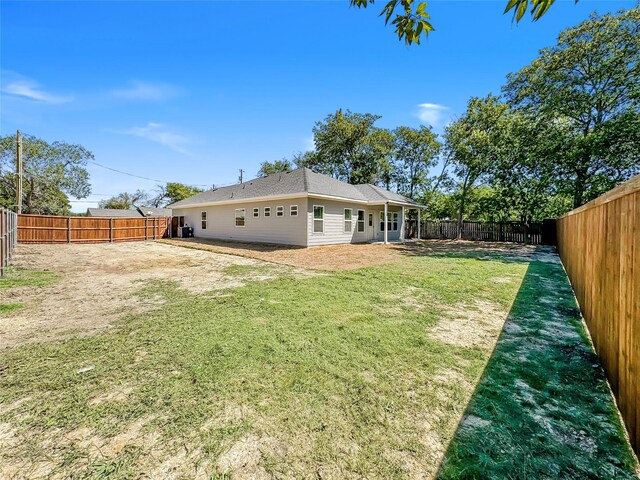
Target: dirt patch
{"type": "Point", "coordinates": [475, 325]}
{"type": "Point", "coordinates": [242, 460]}
{"type": "Point", "coordinates": [359, 255]}
{"type": "Point", "coordinates": [98, 283]}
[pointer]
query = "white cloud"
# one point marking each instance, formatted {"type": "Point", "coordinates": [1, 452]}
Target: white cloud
{"type": "Point", "coordinates": [431, 113]}
{"type": "Point", "coordinates": [158, 133]}
{"type": "Point", "coordinates": [19, 86]}
{"type": "Point", "coordinates": [138, 90]}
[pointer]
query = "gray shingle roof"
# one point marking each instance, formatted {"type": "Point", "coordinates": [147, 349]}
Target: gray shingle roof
{"type": "Point", "coordinates": [301, 181]}
{"type": "Point", "coordinates": [111, 212]}
{"type": "Point", "coordinates": [154, 211]}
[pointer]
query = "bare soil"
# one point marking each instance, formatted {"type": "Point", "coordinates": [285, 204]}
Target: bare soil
{"type": "Point", "coordinates": [99, 282]}
{"type": "Point", "coordinates": [359, 255]}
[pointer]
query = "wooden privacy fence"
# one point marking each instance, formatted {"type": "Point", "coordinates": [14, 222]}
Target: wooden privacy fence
{"type": "Point", "coordinates": [599, 244]}
{"type": "Point", "coordinates": [55, 229]}
{"type": "Point", "coordinates": [8, 237]}
{"type": "Point", "coordinates": [484, 231]}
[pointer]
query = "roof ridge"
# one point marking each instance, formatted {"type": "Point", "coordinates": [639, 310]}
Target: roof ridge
{"type": "Point", "coordinates": [305, 180]}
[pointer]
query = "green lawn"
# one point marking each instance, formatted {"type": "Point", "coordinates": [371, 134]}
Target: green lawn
{"type": "Point", "coordinates": [340, 375]}
{"type": "Point", "coordinates": [15, 277]}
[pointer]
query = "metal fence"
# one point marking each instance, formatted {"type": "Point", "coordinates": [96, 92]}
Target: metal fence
{"type": "Point", "coordinates": [8, 236]}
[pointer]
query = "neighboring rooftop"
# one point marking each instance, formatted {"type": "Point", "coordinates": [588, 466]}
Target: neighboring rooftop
{"type": "Point", "coordinates": [137, 212]}
{"type": "Point", "coordinates": [154, 211]}
{"type": "Point", "coordinates": [112, 212]}
{"type": "Point", "coordinates": [301, 181]}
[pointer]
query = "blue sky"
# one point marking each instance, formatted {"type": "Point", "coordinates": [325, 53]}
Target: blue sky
{"type": "Point", "coordinates": [193, 91]}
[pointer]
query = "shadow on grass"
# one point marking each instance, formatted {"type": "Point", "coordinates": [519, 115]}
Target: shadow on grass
{"type": "Point", "coordinates": [542, 407]}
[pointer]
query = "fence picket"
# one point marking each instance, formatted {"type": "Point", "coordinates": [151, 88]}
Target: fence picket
{"type": "Point", "coordinates": [55, 229]}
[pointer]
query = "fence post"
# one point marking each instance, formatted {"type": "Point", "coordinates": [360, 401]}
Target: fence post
{"type": "Point", "coordinates": [155, 227]}
{"type": "Point", "coordinates": [110, 229]}
{"type": "Point", "coordinates": [68, 229]}
{"type": "Point", "coordinates": [146, 228]}
{"type": "Point", "coordinates": [2, 245]}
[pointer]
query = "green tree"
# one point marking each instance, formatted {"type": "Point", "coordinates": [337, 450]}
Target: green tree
{"type": "Point", "coordinates": [471, 145]}
{"type": "Point", "coordinates": [411, 19]}
{"type": "Point", "coordinates": [350, 148]}
{"type": "Point", "coordinates": [125, 201]}
{"type": "Point", "coordinates": [51, 171]}
{"type": "Point", "coordinates": [173, 192]}
{"type": "Point", "coordinates": [269, 168]}
{"type": "Point", "coordinates": [589, 84]}
{"type": "Point", "coordinates": [415, 153]}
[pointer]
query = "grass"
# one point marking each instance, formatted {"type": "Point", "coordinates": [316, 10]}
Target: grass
{"type": "Point", "coordinates": [336, 375]}
{"type": "Point", "coordinates": [17, 277]}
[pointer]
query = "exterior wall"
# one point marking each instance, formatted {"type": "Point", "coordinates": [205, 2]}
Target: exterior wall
{"type": "Point", "coordinates": [334, 223]}
{"type": "Point", "coordinates": [221, 223]}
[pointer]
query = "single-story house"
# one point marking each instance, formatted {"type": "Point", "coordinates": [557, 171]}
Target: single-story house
{"type": "Point", "coordinates": [137, 212]}
{"type": "Point", "coordinates": [299, 207]}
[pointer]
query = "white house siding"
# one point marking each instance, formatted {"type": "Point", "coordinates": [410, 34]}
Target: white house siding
{"type": "Point", "coordinates": [221, 223]}
{"type": "Point", "coordinates": [334, 232]}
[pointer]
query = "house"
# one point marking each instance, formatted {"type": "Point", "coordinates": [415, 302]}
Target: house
{"type": "Point", "coordinates": [112, 212]}
{"type": "Point", "coordinates": [154, 212]}
{"type": "Point", "coordinates": [137, 212]}
{"type": "Point", "coordinates": [300, 207]}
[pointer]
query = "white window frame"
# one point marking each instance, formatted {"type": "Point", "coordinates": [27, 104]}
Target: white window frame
{"type": "Point", "coordinates": [382, 221]}
{"type": "Point", "coordinates": [279, 211]}
{"type": "Point", "coordinates": [360, 224]}
{"type": "Point", "coordinates": [203, 219]}
{"type": "Point", "coordinates": [394, 220]}
{"type": "Point", "coordinates": [267, 211]}
{"type": "Point", "coordinates": [244, 217]}
{"type": "Point", "coordinates": [348, 229]}
{"type": "Point", "coordinates": [314, 219]}
{"type": "Point", "coordinates": [293, 210]}
{"type": "Point", "coordinates": [256, 212]}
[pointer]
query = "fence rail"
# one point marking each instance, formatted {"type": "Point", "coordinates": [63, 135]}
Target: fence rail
{"type": "Point", "coordinates": [599, 244]}
{"type": "Point", "coordinates": [8, 237]}
{"type": "Point", "coordinates": [55, 229]}
{"type": "Point", "coordinates": [484, 231]}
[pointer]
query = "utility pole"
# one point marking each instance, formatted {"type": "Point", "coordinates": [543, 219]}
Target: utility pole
{"type": "Point", "coordinates": [19, 168]}
{"type": "Point", "coordinates": [241, 172]}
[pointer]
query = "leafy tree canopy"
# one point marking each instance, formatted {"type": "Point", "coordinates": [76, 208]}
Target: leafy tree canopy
{"type": "Point", "coordinates": [350, 148]}
{"type": "Point", "coordinates": [588, 84]}
{"type": "Point", "coordinates": [51, 171]}
{"type": "Point", "coordinates": [269, 168]}
{"type": "Point", "coordinates": [125, 201]}
{"type": "Point", "coordinates": [411, 19]}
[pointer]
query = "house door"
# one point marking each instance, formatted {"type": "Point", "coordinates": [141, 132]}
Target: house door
{"type": "Point", "coordinates": [370, 228]}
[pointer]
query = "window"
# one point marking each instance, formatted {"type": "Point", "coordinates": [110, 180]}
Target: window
{"type": "Point", "coordinates": [267, 211]}
{"type": "Point", "coordinates": [293, 210]}
{"type": "Point", "coordinates": [395, 221]}
{"type": "Point", "coordinates": [360, 221]}
{"type": "Point", "coordinates": [203, 217]}
{"type": "Point", "coordinates": [256, 212]}
{"type": "Point", "coordinates": [279, 211]}
{"type": "Point", "coordinates": [371, 219]}
{"type": "Point", "coordinates": [382, 221]}
{"type": "Point", "coordinates": [318, 219]}
{"type": "Point", "coordinates": [239, 217]}
{"type": "Point", "coordinates": [348, 223]}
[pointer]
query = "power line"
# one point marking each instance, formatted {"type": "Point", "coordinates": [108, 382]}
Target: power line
{"type": "Point", "coordinates": [151, 179]}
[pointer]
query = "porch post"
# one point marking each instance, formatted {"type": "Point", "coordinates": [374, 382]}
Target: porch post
{"type": "Point", "coordinates": [402, 227]}
{"type": "Point", "coordinates": [419, 212]}
{"type": "Point", "coordinates": [386, 223]}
